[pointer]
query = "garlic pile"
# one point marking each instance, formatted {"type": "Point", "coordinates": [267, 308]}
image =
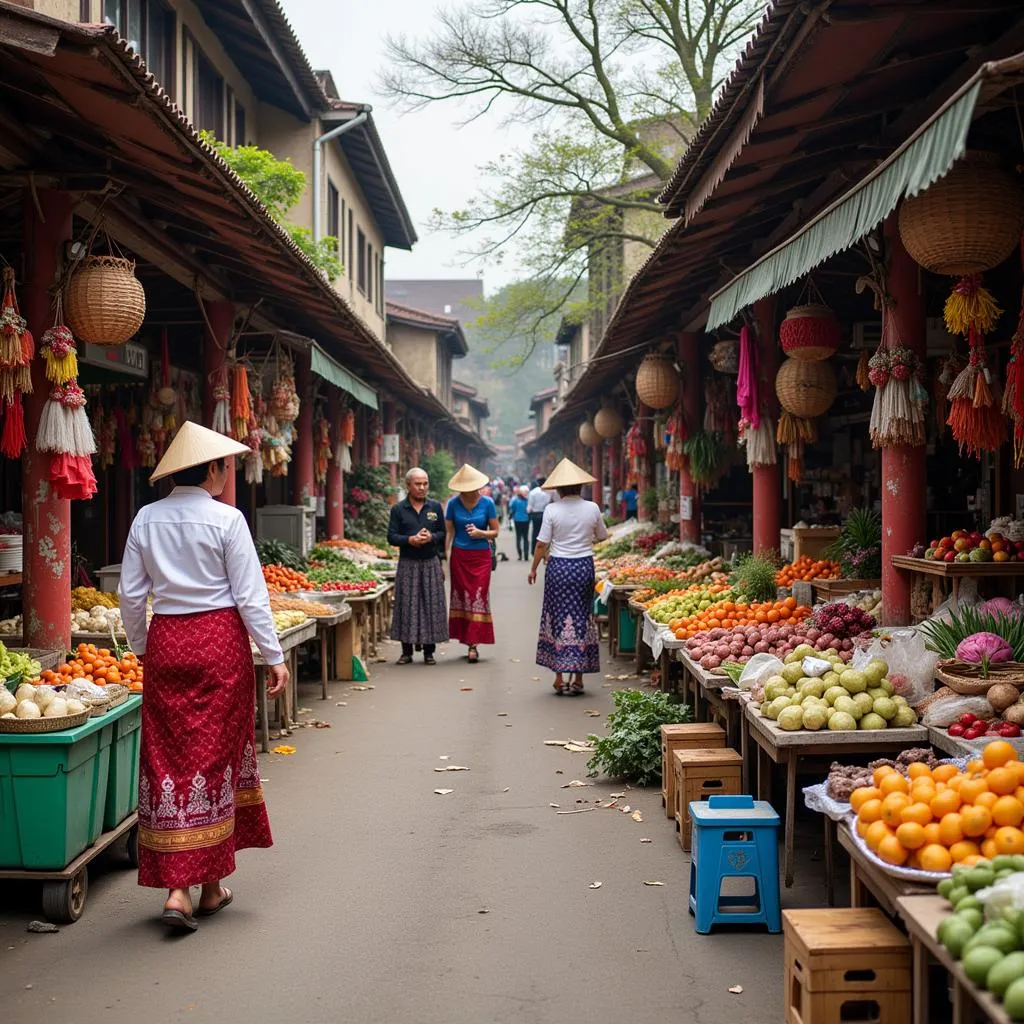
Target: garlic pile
{"type": "Point", "coordinates": [97, 619]}
{"type": "Point", "coordinates": [37, 702]}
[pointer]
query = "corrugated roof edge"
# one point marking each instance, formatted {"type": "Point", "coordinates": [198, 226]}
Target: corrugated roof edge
{"type": "Point", "coordinates": [273, 10]}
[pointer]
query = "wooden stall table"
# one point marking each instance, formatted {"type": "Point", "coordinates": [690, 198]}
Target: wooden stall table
{"type": "Point", "coordinates": [327, 634]}
{"type": "Point", "coordinates": [832, 590]}
{"type": "Point", "coordinates": [787, 748]}
{"type": "Point", "coordinates": [922, 915]}
{"type": "Point", "coordinates": [868, 881]}
{"type": "Point", "coordinates": [364, 609]}
{"type": "Point", "coordinates": [954, 572]}
{"type": "Point", "coordinates": [290, 640]}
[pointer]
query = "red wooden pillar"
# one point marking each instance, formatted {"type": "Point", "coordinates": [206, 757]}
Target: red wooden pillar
{"type": "Point", "coordinates": [616, 473]}
{"type": "Point", "coordinates": [46, 593]}
{"type": "Point", "coordinates": [334, 499]}
{"type": "Point", "coordinates": [645, 478]}
{"type": "Point", "coordinates": [221, 317]}
{"type": "Point", "coordinates": [304, 479]}
{"type": "Point", "coordinates": [597, 472]}
{"type": "Point", "coordinates": [689, 495]}
{"type": "Point", "coordinates": [767, 506]}
{"type": "Point", "coordinates": [391, 427]}
{"type": "Point", "coordinates": [904, 469]}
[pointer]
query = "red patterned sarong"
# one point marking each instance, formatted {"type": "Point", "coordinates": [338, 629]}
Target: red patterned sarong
{"type": "Point", "coordinates": [199, 786]}
{"type": "Point", "coordinates": [469, 611]}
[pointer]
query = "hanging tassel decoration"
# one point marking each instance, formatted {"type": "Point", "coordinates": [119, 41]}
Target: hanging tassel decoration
{"type": "Point", "coordinates": [13, 440]}
{"type": "Point", "coordinates": [221, 402]}
{"type": "Point", "coordinates": [971, 305]}
{"type": "Point", "coordinates": [241, 407]}
{"type": "Point", "coordinates": [975, 413]}
{"type": "Point", "coordinates": [59, 354]}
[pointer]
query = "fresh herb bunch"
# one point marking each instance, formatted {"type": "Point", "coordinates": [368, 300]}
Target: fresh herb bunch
{"type": "Point", "coordinates": [858, 548]}
{"type": "Point", "coordinates": [706, 453]}
{"type": "Point", "coordinates": [632, 748]}
{"type": "Point", "coordinates": [275, 552]}
{"type": "Point", "coordinates": [944, 637]}
{"type": "Point", "coordinates": [754, 576]}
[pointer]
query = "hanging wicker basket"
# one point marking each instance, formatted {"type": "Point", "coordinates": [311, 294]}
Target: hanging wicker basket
{"type": "Point", "coordinates": [805, 389]}
{"type": "Point", "coordinates": [810, 333]}
{"type": "Point", "coordinates": [104, 303]}
{"type": "Point", "coordinates": [725, 356]}
{"type": "Point", "coordinates": [587, 434]}
{"type": "Point", "coordinates": [608, 423]}
{"type": "Point", "coordinates": [967, 222]}
{"type": "Point", "coordinates": [657, 383]}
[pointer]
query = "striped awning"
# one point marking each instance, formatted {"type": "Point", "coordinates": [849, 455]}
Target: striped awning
{"type": "Point", "coordinates": [333, 372]}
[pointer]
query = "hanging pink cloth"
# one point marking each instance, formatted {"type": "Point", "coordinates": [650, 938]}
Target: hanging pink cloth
{"type": "Point", "coordinates": [746, 383]}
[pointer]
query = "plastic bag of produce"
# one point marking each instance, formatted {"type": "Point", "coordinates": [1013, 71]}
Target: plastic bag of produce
{"type": "Point", "coordinates": [757, 670]}
{"type": "Point", "coordinates": [911, 664]}
{"type": "Point", "coordinates": [815, 668]}
{"type": "Point", "coordinates": [946, 711]}
{"type": "Point", "coordinates": [1006, 894]}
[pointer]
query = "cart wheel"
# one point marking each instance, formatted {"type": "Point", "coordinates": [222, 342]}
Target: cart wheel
{"type": "Point", "coordinates": [63, 902]}
{"type": "Point", "coordinates": [132, 849]}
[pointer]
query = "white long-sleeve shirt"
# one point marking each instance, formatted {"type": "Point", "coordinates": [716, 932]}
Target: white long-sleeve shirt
{"type": "Point", "coordinates": [194, 554]}
{"type": "Point", "coordinates": [538, 500]}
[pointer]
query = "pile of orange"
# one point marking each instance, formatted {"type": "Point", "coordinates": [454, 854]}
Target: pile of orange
{"type": "Point", "coordinates": [806, 568]}
{"type": "Point", "coordinates": [729, 614]}
{"type": "Point", "coordinates": [97, 665]}
{"type": "Point", "coordinates": [933, 818]}
{"type": "Point", "coordinates": [282, 580]}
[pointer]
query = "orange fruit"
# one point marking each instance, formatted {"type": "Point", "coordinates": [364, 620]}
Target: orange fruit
{"type": "Point", "coordinates": [871, 811]}
{"type": "Point", "coordinates": [1002, 781]}
{"type": "Point", "coordinates": [919, 813]}
{"type": "Point", "coordinates": [877, 831]}
{"type": "Point", "coordinates": [932, 833]}
{"type": "Point", "coordinates": [862, 828]}
{"type": "Point", "coordinates": [880, 773]}
{"type": "Point", "coordinates": [951, 829]}
{"type": "Point", "coordinates": [911, 835]}
{"type": "Point", "coordinates": [977, 765]}
{"type": "Point", "coordinates": [971, 788]}
{"type": "Point", "coordinates": [894, 783]}
{"type": "Point", "coordinates": [986, 799]}
{"type": "Point", "coordinates": [944, 803]}
{"type": "Point", "coordinates": [1019, 793]}
{"type": "Point", "coordinates": [944, 772]}
{"type": "Point", "coordinates": [1009, 839]}
{"type": "Point", "coordinates": [892, 808]}
{"type": "Point", "coordinates": [934, 857]}
{"type": "Point", "coordinates": [914, 860]}
{"type": "Point", "coordinates": [972, 859]}
{"type": "Point", "coordinates": [997, 753]}
{"type": "Point", "coordinates": [922, 790]}
{"type": "Point", "coordinates": [862, 794]}
{"type": "Point", "coordinates": [989, 849]}
{"type": "Point", "coordinates": [1008, 810]}
{"type": "Point", "coordinates": [918, 769]}
{"type": "Point", "coordinates": [963, 849]}
{"type": "Point", "coordinates": [891, 850]}
{"type": "Point", "coordinates": [975, 821]}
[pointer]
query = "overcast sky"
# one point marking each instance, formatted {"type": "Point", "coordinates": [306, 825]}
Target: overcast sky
{"type": "Point", "coordinates": [433, 159]}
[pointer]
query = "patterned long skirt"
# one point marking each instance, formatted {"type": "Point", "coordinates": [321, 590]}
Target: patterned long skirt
{"type": "Point", "coordinates": [420, 613]}
{"type": "Point", "coordinates": [199, 785]}
{"type": "Point", "coordinates": [568, 640]}
{"type": "Point", "coordinates": [469, 615]}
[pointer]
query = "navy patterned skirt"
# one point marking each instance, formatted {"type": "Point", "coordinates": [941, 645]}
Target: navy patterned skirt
{"type": "Point", "coordinates": [420, 613]}
{"type": "Point", "coordinates": [568, 640]}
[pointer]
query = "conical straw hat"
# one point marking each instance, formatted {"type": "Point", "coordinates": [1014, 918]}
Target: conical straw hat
{"type": "Point", "coordinates": [467, 479]}
{"type": "Point", "coordinates": [192, 446]}
{"type": "Point", "coordinates": [567, 474]}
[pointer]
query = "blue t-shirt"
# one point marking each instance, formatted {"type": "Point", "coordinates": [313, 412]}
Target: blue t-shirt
{"type": "Point", "coordinates": [630, 496]}
{"type": "Point", "coordinates": [480, 516]}
{"type": "Point", "coordinates": [517, 506]}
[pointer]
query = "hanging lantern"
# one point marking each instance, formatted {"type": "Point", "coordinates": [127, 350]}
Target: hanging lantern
{"type": "Point", "coordinates": [657, 383]}
{"type": "Point", "coordinates": [810, 333]}
{"type": "Point", "coordinates": [968, 221]}
{"type": "Point", "coordinates": [608, 423]}
{"type": "Point", "coordinates": [104, 302]}
{"type": "Point", "coordinates": [805, 389]}
{"type": "Point", "coordinates": [587, 434]}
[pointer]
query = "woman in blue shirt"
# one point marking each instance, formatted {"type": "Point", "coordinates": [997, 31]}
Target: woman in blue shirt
{"type": "Point", "coordinates": [471, 522]}
{"type": "Point", "coordinates": [519, 514]}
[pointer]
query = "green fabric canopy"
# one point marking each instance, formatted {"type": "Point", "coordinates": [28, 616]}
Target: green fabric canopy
{"type": "Point", "coordinates": [924, 158]}
{"type": "Point", "coordinates": [334, 373]}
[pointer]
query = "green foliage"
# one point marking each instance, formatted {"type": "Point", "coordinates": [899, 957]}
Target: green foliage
{"type": "Point", "coordinates": [943, 636]}
{"type": "Point", "coordinates": [275, 552]}
{"type": "Point", "coordinates": [632, 748]}
{"type": "Point", "coordinates": [858, 549]}
{"type": "Point", "coordinates": [440, 467]}
{"type": "Point", "coordinates": [707, 456]}
{"type": "Point", "coordinates": [650, 498]}
{"type": "Point", "coordinates": [367, 511]}
{"type": "Point", "coordinates": [279, 186]}
{"type": "Point", "coordinates": [754, 576]}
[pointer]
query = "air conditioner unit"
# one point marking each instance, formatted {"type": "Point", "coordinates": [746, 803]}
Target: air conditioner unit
{"type": "Point", "coordinates": [867, 334]}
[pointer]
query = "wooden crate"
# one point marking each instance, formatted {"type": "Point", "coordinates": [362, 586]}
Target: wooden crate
{"type": "Point", "coordinates": [845, 965]}
{"type": "Point", "coordinates": [691, 736]}
{"type": "Point", "coordinates": [700, 774]}
{"type": "Point", "coordinates": [812, 540]}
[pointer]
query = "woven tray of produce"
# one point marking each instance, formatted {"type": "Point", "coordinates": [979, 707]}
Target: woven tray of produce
{"type": "Point", "coordinates": [895, 870]}
{"type": "Point", "coordinates": [966, 679]}
{"type": "Point", "coordinates": [312, 606]}
{"type": "Point", "coordinates": [35, 726]}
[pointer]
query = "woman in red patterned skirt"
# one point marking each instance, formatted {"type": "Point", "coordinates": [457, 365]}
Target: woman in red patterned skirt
{"type": "Point", "coordinates": [199, 786]}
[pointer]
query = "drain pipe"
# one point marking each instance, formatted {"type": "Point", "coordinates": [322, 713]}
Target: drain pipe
{"type": "Point", "coordinates": [346, 126]}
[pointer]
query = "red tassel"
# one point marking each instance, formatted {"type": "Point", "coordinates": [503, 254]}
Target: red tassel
{"type": "Point", "coordinates": [13, 440]}
{"type": "Point", "coordinates": [28, 346]}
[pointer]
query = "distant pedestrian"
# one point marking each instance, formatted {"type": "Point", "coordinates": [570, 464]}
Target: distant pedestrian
{"type": "Point", "coordinates": [568, 641]}
{"type": "Point", "coordinates": [519, 516]}
{"type": "Point", "coordinates": [471, 524]}
{"type": "Point", "coordinates": [416, 528]}
{"type": "Point", "coordinates": [631, 499]}
{"type": "Point", "coordinates": [538, 500]}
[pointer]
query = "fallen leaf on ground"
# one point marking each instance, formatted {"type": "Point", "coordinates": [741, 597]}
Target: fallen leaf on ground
{"type": "Point", "coordinates": [595, 885]}
{"type": "Point", "coordinates": [592, 714]}
{"type": "Point", "coordinates": [645, 882]}
{"type": "Point", "coordinates": [736, 990]}
{"type": "Point", "coordinates": [503, 714]}
{"type": "Point", "coordinates": [637, 816]}
{"type": "Point", "coordinates": [305, 711]}
{"type": "Point", "coordinates": [360, 688]}
{"type": "Point", "coordinates": [342, 704]}
{"type": "Point", "coordinates": [443, 757]}
{"type": "Point", "coordinates": [554, 805]}
{"type": "Point", "coordinates": [581, 810]}
{"type": "Point", "coordinates": [321, 725]}
{"type": "Point", "coordinates": [465, 689]}
{"type": "Point", "coordinates": [626, 809]}
{"type": "Point", "coordinates": [443, 792]}
{"type": "Point", "coordinates": [452, 768]}
{"type": "Point", "coordinates": [576, 784]}
{"type": "Point", "coordinates": [507, 789]}
{"type": "Point", "coordinates": [579, 748]}
{"type": "Point", "coordinates": [646, 840]}
{"type": "Point", "coordinates": [616, 796]}
{"type": "Point", "coordinates": [555, 743]}
{"type": "Point", "coordinates": [516, 660]}
{"type": "Point", "coordinates": [283, 749]}
{"type": "Point", "coordinates": [483, 911]}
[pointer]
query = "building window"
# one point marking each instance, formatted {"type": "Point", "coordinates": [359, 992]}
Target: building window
{"type": "Point", "coordinates": [341, 232]}
{"type": "Point", "coordinates": [148, 28]}
{"type": "Point", "coordinates": [208, 90]}
{"type": "Point", "coordinates": [84, 10]}
{"type": "Point", "coordinates": [369, 272]}
{"type": "Point", "coordinates": [361, 261]}
{"type": "Point", "coordinates": [351, 237]}
{"type": "Point", "coordinates": [239, 123]}
{"type": "Point", "coordinates": [380, 285]}
{"type": "Point", "coordinates": [333, 212]}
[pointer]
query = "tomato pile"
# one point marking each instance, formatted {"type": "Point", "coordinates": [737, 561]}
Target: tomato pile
{"type": "Point", "coordinates": [806, 569]}
{"type": "Point", "coordinates": [282, 580]}
{"type": "Point", "coordinates": [97, 665]}
{"type": "Point", "coordinates": [348, 586]}
{"type": "Point", "coordinates": [970, 727]}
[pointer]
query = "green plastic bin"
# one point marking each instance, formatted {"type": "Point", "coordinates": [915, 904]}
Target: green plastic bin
{"type": "Point", "coordinates": [123, 777]}
{"type": "Point", "coordinates": [627, 631]}
{"type": "Point", "coordinates": [53, 791]}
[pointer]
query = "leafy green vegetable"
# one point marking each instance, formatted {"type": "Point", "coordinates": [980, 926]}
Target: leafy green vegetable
{"type": "Point", "coordinates": [943, 637]}
{"type": "Point", "coordinates": [706, 453]}
{"type": "Point", "coordinates": [632, 748]}
{"type": "Point", "coordinates": [754, 576]}
{"type": "Point", "coordinates": [275, 552]}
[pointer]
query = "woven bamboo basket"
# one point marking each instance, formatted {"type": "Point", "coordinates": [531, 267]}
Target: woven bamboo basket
{"type": "Point", "coordinates": [805, 389]}
{"type": "Point", "coordinates": [608, 423]}
{"type": "Point", "coordinates": [587, 434]}
{"type": "Point", "coordinates": [967, 222]}
{"type": "Point", "coordinates": [964, 678]}
{"type": "Point", "coordinates": [36, 726]}
{"type": "Point", "coordinates": [810, 333]}
{"type": "Point", "coordinates": [657, 383]}
{"type": "Point", "coordinates": [104, 302]}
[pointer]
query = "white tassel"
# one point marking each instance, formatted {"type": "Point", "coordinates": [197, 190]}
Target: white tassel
{"type": "Point", "coordinates": [761, 450]}
{"type": "Point", "coordinates": [85, 441]}
{"type": "Point", "coordinates": [55, 432]}
{"type": "Point", "coordinates": [222, 417]}
{"type": "Point", "coordinates": [346, 458]}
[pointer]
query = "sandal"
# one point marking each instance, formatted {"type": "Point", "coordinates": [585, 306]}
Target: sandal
{"type": "Point", "coordinates": [560, 687]}
{"type": "Point", "coordinates": [179, 920]}
{"type": "Point", "coordinates": [226, 897]}
{"type": "Point", "coordinates": [576, 689]}
{"type": "Point", "coordinates": [429, 660]}
{"type": "Point", "coordinates": [405, 659]}
{"type": "Point", "coordinates": [473, 656]}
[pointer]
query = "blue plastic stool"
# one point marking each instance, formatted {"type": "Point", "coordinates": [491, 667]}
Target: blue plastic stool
{"type": "Point", "coordinates": [734, 837]}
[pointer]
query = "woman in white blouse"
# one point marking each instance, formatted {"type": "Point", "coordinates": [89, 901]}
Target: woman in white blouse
{"type": "Point", "coordinates": [568, 640]}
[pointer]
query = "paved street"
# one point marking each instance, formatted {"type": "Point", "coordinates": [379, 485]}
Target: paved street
{"type": "Point", "coordinates": [371, 906]}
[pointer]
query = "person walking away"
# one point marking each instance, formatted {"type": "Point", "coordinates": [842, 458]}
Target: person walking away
{"type": "Point", "coordinates": [200, 799]}
{"type": "Point", "coordinates": [631, 499]}
{"type": "Point", "coordinates": [536, 502]}
{"type": "Point", "coordinates": [416, 528]}
{"type": "Point", "coordinates": [471, 522]}
{"type": "Point", "coordinates": [568, 642]}
{"type": "Point", "coordinates": [519, 516]}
